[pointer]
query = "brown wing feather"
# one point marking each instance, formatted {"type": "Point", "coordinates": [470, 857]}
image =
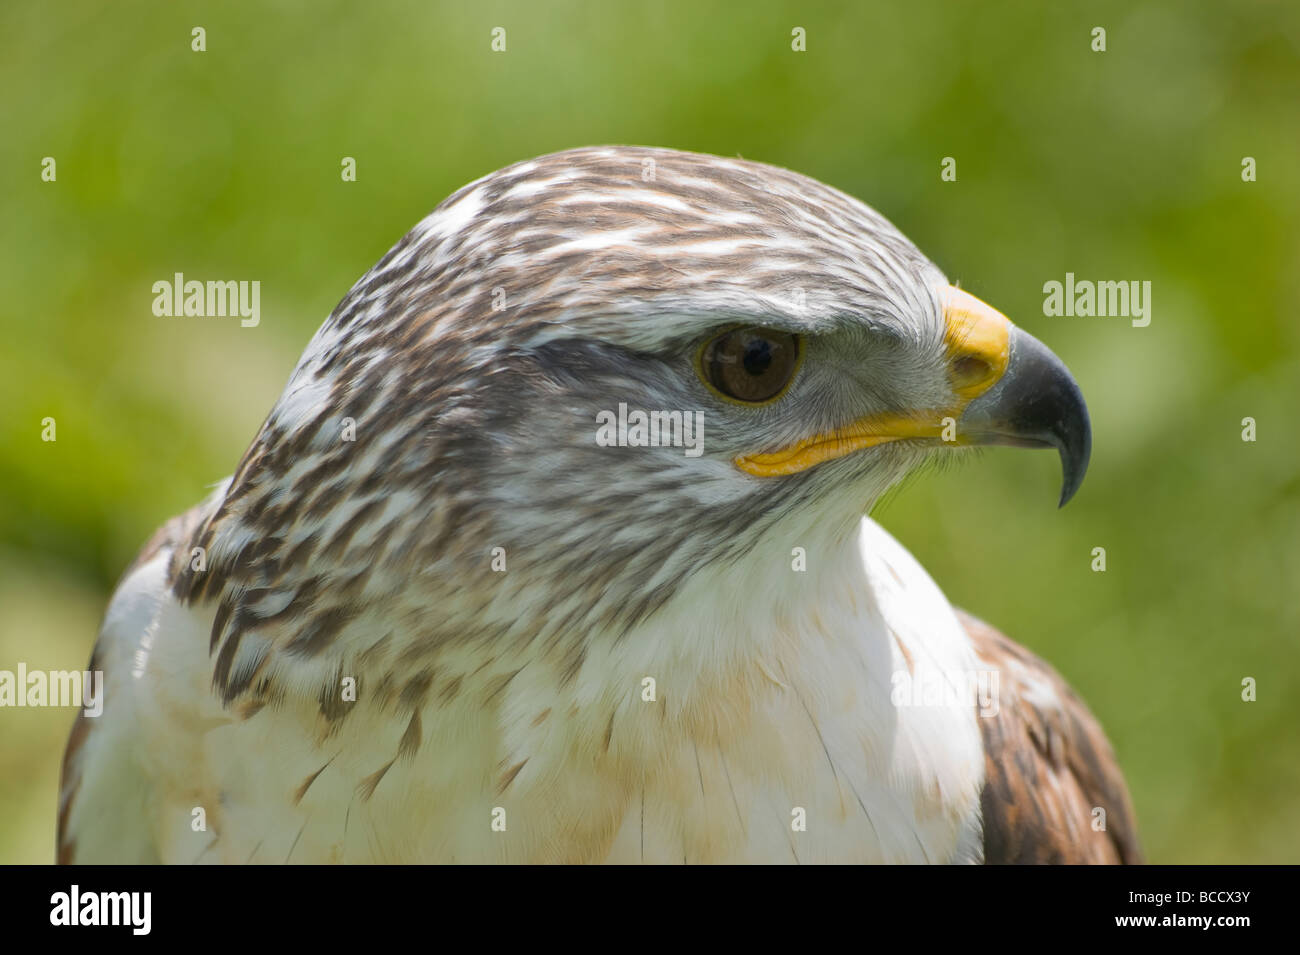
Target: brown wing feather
{"type": "Point", "coordinates": [1049, 766]}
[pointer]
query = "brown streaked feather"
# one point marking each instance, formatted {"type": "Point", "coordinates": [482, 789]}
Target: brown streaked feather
{"type": "Point", "coordinates": [1048, 766]}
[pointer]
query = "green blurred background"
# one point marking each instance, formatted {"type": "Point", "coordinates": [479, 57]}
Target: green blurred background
{"type": "Point", "coordinates": [1119, 165]}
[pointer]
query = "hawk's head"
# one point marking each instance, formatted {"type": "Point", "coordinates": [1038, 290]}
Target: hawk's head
{"type": "Point", "coordinates": [462, 445]}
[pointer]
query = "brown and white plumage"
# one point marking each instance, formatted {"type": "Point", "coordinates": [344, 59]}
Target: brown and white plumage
{"type": "Point", "coordinates": [444, 416]}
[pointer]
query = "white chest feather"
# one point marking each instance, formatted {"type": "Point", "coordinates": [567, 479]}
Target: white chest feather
{"type": "Point", "coordinates": [730, 729]}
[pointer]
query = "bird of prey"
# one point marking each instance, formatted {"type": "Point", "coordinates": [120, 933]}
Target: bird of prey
{"type": "Point", "coordinates": [555, 549]}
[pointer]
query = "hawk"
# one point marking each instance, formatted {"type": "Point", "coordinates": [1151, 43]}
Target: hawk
{"type": "Point", "coordinates": [431, 617]}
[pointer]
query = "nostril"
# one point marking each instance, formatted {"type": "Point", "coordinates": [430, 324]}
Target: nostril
{"type": "Point", "coordinates": [968, 370]}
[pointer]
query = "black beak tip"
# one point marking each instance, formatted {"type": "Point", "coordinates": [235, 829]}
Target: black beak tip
{"type": "Point", "coordinates": [1073, 439]}
{"type": "Point", "coordinates": [1072, 471]}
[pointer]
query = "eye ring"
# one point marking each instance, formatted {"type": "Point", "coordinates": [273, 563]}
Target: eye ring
{"type": "Point", "coordinates": [750, 365]}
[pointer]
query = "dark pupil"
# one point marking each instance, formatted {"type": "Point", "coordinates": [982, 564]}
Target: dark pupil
{"type": "Point", "coordinates": [758, 356]}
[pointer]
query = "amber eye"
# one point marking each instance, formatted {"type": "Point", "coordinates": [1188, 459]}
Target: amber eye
{"type": "Point", "coordinates": [751, 364]}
